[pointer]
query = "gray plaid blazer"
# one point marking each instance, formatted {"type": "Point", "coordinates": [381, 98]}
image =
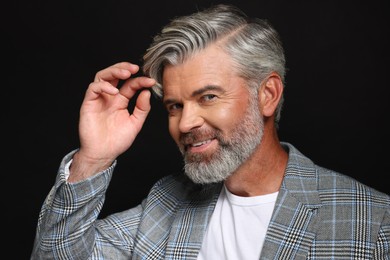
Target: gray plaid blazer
{"type": "Point", "coordinates": [319, 214]}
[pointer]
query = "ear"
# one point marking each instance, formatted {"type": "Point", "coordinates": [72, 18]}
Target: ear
{"type": "Point", "coordinates": [270, 94]}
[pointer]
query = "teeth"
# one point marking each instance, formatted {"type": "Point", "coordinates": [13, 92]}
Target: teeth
{"type": "Point", "coordinates": [201, 143]}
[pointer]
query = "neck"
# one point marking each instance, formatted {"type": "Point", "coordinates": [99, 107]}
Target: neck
{"type": "Point", "coordinates": [263, 172]}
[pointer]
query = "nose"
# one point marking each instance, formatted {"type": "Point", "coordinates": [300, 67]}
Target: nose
{"type": "Point", "coordinates": [191, 118]}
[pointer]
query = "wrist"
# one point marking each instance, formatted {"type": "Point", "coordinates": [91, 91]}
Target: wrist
{"type": "Point", "coordinates": [83, 167]}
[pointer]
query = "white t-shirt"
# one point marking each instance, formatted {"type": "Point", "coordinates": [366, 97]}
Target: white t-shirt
{"type": "Point", "coordinates": [237, 227]}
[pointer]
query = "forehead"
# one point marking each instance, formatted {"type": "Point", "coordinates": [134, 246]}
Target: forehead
{"type": "Point", "coordinates": [211, 66]}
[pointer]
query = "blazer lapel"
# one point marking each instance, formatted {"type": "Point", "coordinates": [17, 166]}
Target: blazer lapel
{"type": "Point", "coordinates": [191, 222]}
{"type": "Point", "coordinates": [294, 222]}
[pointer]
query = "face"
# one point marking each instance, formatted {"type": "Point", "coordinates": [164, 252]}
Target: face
{"type": "Point", "coordinates": [213, 119]}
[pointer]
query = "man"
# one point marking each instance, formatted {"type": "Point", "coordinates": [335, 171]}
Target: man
{"type": "Point", "coordinates": [244, 194]}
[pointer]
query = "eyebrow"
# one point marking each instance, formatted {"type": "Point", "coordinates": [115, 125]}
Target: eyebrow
{"type": "Point", "coordinates": [207, 88]}
{"type": "Point", "coordinates": [197, 93]}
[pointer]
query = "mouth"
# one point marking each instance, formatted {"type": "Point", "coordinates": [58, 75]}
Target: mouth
{"type": "Point", "coordinates": [200, 143]}
{"type": "Point", "coordinates": [199, 146]}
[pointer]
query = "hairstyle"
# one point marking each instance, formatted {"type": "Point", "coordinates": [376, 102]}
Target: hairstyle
{"type": "Point", "coordinates": [252, 43]}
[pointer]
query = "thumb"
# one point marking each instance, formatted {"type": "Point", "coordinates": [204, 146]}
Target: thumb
{"type": "Point", "coordinates": [142, 107]}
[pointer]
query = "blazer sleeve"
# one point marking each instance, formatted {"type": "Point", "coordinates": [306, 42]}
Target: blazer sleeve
{"type": "Point", "coordinates": [68, 227]}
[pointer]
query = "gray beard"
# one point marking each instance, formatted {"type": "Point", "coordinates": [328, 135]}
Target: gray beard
{"type": "Point", "coordinates": [232, 152]}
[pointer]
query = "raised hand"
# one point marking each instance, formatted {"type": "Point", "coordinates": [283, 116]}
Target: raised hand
{"type": "Point", "coordinates": [106, 127]}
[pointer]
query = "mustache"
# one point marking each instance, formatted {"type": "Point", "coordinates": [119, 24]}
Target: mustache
{"type": "Point", "coordinates": [198, 135]}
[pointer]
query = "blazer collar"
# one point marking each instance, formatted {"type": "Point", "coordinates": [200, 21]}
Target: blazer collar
{"type": "Point", "coordinates": [191, 221]}
{"type": "Point", "coordinates": [301, 180]}
{"type": "Point", "coordinates": [295, 218]}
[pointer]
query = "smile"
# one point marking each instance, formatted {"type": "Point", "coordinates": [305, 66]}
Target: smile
{"type": "Point", "coordinates": [201, 146]}
{"type": "Point", "coordinates": [201, 143]}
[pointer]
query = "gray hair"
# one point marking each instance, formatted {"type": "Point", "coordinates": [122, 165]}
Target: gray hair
{"type": "Point", "coordinates": [253, 44]}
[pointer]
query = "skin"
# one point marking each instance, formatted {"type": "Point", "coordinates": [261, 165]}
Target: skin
{"type": "Point", "coordinates": [202, 93]}
{"type": "Point", "coordinates": [106, 128]}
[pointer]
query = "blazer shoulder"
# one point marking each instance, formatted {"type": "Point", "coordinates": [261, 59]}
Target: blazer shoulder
{"type": "Point", "coordinates": [339, 186]}
{"type": "Point", "coordinates": [309, 180]}
{"type": "Point", "coordinates": [180, 188]}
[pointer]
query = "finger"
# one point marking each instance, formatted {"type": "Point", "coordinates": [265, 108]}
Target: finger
{"type": "Point", "coordinates": [131, 86]}
{"type": "Point", "coordinates": [142, 108]}
{"type": "Point", "coordinates": [121, 70]}
{"type": "Point", "coordinates": [96, 89]}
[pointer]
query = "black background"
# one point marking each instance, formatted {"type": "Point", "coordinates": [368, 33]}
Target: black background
{"type": "Point", "coordinates": [336, 107]}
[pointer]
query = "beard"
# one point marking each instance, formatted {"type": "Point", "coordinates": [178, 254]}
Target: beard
{"type": "Point", "coordinates": [232, 151]}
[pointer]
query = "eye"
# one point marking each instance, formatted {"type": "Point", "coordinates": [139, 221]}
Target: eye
{"type": "Point", "coordinates": [208, 97]}
{"type": "Point", "coordinates": [174, 107]}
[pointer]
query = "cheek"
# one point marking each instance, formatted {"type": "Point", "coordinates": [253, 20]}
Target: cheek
{"type": "Point", "coordinates": [225, 118]}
